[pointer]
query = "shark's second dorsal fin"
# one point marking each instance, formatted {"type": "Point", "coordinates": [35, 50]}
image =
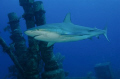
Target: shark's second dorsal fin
{"type": "Point", "coordinates": [67, 18]}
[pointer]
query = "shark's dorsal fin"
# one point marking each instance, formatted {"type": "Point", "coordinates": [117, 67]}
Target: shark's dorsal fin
{"type": "Point", "coordinates": [67, 18]}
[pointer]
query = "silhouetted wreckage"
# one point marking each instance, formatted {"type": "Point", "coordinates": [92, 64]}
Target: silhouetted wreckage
{"type": "Point", "coordinates": [28, 60]}
{"type": "Point", "coordinates": [37, 61]}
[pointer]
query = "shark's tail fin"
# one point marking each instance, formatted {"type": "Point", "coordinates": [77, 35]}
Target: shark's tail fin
{"type": "Point", "coordinates": [105, 34]}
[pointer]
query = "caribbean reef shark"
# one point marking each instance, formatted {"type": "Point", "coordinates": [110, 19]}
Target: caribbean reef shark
{"type": "Point", "coordinates": [64, 32]}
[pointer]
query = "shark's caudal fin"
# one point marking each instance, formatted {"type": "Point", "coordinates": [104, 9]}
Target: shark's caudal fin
{"type": "Point", "coordinates": [67, 18]}
{"type": "Point", "coordinates": [105, 34]}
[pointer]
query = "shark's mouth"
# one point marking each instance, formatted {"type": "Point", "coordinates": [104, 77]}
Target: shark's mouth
{"type": "Point", "coordinates": [35, 36]}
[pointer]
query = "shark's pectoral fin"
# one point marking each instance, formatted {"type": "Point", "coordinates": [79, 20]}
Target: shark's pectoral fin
{"type": "Point", "coordinates": [50, 44]}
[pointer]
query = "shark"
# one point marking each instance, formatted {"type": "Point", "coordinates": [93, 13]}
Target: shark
{"type": "Point", "coordinates": [64, 32]}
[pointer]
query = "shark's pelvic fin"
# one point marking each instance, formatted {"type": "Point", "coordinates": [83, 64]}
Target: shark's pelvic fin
{"type": "Point", "coordinates": [105, 34]}
{"type": "Point", "coordinates": [50, 44]}
{"type": "Point", "coordinates": [90, 38]}
{"type": "Point", "coordinates": [68, 18]}
{"type": "Point", "coordinates": [97, 36]}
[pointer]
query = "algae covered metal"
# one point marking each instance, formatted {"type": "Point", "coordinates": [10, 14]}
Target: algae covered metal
{"type": "Point", "coordinates": [29, 60]}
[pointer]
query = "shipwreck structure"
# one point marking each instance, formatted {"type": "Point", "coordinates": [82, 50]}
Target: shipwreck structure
{"type": "Point", "coordinates": [35, 61]}
{"type": "Point", "coordinates": [28, 60]}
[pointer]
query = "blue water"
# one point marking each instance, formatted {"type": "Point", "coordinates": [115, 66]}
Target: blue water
{"type": "Point", "coordinates": [80, 56]}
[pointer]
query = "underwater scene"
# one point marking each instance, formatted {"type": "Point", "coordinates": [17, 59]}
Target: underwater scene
{"type": "Point", "coordinates": [59, 39]}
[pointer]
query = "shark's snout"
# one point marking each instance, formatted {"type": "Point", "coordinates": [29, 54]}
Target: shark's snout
{"type": "Point", "coordinates": [29, 33]}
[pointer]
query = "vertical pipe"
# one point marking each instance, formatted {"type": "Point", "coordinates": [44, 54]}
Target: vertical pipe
{"type": "Point", "coordinates": [52, 70]}
{"type": "Point", "coordinates": [18, 41]}
{"type": "Point", "coordinates": [32, 71]}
